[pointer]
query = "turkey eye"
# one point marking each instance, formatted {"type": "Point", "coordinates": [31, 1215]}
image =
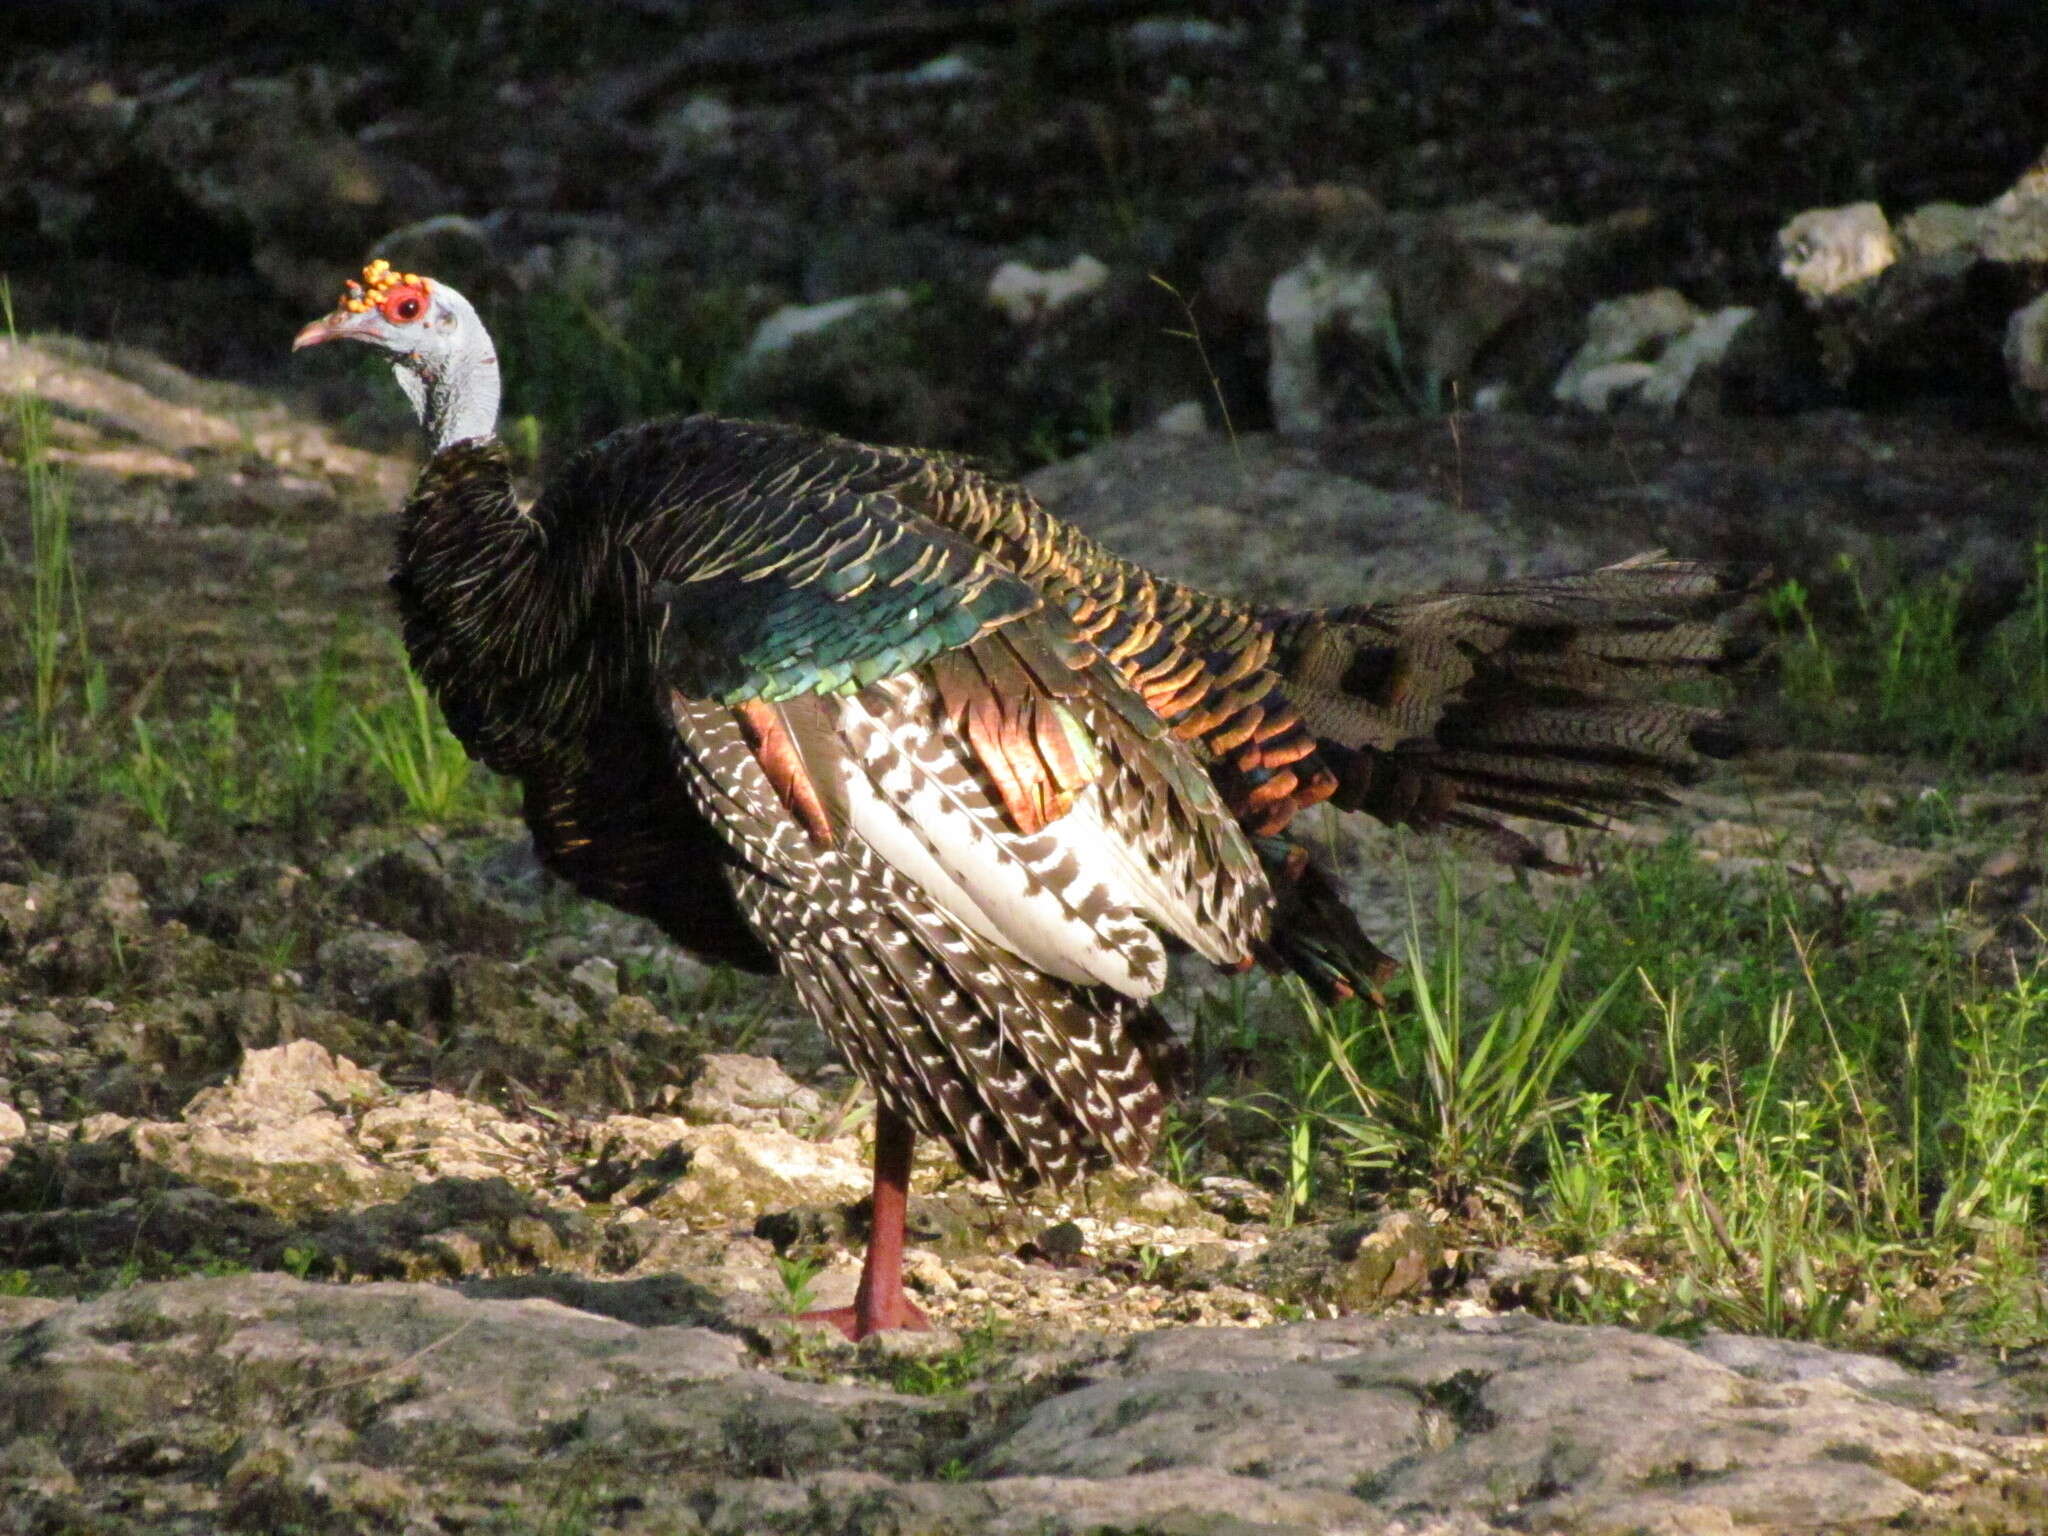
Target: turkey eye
{"type": "Point", "coordinates": [405, 305]}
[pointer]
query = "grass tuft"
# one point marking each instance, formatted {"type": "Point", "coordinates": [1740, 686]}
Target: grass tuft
{"type": "Point", "coordinates": [49, 621]}
{"type": "Point", "coordinates": [1739, 1101]}
{"type": "Point", "coordinates": [1905, 673]}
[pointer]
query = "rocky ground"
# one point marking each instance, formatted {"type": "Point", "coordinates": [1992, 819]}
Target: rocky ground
{"type": "Point", "coordinates": [564, 1172]}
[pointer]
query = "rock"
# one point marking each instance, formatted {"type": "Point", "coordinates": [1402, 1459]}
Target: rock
{"type": "Point", "coordinates": [1940, 229]}
{"type": "Point", "coordinates": [437, 1135]}
{"type": "Point", "coordinates": [275, 1136]}
{"type": "Point", "coordinates": [1352, 1266]}
{"type": "Point", "coordinates": [1648, 348]}
{"type": "Point", "coordinates": [595, 982]}
{"type": "Point", "coordinates": [1698, 352]}
{"type": "Point", "coordinates": [793, 321]}
{"type": "Point", "coordinates": [382, 971]}
{"type": "Point", "coordinates": [13, 1129]}
{"type": "Point", "coordinates": [363, 1405]}
{"type": "Point", "coordinates": [1933, 307]}
{"type": "Point", "coordinates": [736, 1173]}
{"type": "Point", "coordinates": [750, 1091]}
{"type": "Point", "coordinates": [422, 888]}
{"type": "Point", "coordinates": [1624, 331]}
{"type": "Point", "coordinates": [2026, 358]}
{"type": "Point", "coordinates": [1026, 294]}
{"type": "Point", "coordinates": [1186, 419]}
{"type": "Point", "coordinates": [1827, 251]}
{"type": "Point", "coordinates": [1366, 312]}
{"type": "Point", "coordinates": [948, 69]}
{"type": "Point", "coordinates": [1267, 520]}
{"type": "Point", "coordinates": [1563, 1426]}
{"type": "Point", "coordinates": [699, 125]}
{"type": "Point", "coordinates": [1303, 306]}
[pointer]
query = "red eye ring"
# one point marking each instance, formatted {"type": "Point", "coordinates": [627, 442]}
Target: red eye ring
{"type": "Point", "coordinates": [404, 305]}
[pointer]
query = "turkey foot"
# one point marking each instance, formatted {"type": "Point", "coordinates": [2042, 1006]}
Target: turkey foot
{"type": "Point", "coordinates": [880, 1302]}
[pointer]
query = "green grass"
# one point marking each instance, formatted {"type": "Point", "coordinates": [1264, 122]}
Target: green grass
{"type": "Point", "coordinates": [797, 1275]}
{"type": "Point", "coordinates": [1904, 673]}
{"type": "Point", "coordinates": [949, 1371]}
{"type": "Point", "coordinates": [63, 686]}
{"type": "Point", "coordinates": [414, 751]}
{"type": "Point", "coordinates": [349, 743]}
{"type": "Point", "coordinates": [1741, 1101]}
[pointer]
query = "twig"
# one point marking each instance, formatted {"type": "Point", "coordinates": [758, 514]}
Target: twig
{"type": "Point", "coordinates": [398, 1365]}
{"type": "Point", "coordinates": [1194, 334]}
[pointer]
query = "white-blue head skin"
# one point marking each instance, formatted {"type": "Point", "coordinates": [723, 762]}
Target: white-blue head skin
{"type": "Point", "coordinates": [440, 352]}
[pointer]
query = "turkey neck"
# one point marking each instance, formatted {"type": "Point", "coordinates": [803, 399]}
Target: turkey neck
{"type": "Point", "coordinates": [454, 396]}
{"type": "Point", "coordinates": [486, 589]}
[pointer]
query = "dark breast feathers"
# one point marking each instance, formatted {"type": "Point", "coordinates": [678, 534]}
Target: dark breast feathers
{"type": "Point", "coordinates": [964, 776]}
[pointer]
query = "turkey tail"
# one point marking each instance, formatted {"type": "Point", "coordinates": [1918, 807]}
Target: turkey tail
{"type": "Point", "coordinates": [1540, 698]}
{"type": "Point", "coordinates": [1315, 933]}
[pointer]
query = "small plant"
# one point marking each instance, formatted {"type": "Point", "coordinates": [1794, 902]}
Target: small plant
{"type": "Point", "coordinates": [415, 752]}
{"type": "Point", "coordinates": [314, 735]}
{"type": "Point", "coordinates": [952, 1371]}
{"type": "Point", "coordinates": [1900, 673]}
{"type": "Point", "coordinates": [797, 1275]}
{"type": "Point", "coordinates": [1420, 1087]}
{"type": "Point", "coordinates": [299, 1260]}
{"type": "Point", "coordinates": [149, 777]}
{"type": "Point", "coordinates": [1481, 1094]}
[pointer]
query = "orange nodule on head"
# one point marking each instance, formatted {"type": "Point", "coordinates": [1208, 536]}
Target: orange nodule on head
{"type": "Point", "coordinates": [378, 287]}
{"type": "Point", "coordinates": [399, 298]}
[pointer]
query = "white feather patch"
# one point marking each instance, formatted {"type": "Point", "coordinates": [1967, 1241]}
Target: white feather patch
{"type": "Point", "coordinates": [1061, 899]}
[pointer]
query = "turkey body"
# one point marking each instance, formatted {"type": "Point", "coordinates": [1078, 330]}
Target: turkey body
{"type": "Point", "coordinates": [966, 778]}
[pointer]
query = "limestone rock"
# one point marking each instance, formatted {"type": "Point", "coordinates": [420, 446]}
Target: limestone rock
{"type": "Point", "coordinates": [1933, 304]}
{"type": "Point", "coordinates": [437, 1135]}
{"type": "Point", "coordinates": [750, 1091]}
{"type": "Point", "coordinates": [2026, 358]}
{"type": "Point", "coordinates": [709, 1176]}
{"type": "Point", "coordinates": [1648, 348]}
{"type": "Point", "coordinates": [1025, 294]}
{"type": "Point", "coordinates": [1272, 521]}
{"type": "Point", "coordinates": [1827, 251]}
{"type": "Point", "coordinates": [794, 321]}
{"type": "Point", "coordinates": [275, 1136]}
{"type": "Point", "coordinates": [381, 970]}
{"type": "Point", "coordinates": [1566, 1427]}
{"type": "Point", "coordinates": [1352, 1266]}
{"type": "Point", "coordinates": [1304, 305]}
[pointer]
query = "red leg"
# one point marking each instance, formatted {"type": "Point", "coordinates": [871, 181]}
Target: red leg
{"type": "Point", "coordinates": [880, 1302]}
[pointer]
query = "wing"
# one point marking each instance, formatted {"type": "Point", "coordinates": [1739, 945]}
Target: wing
{"type": "Point", "coordinates": [966, 838]}
{"type": "Point", "coordinates": [899, 686]}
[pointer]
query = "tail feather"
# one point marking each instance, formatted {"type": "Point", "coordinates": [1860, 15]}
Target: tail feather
{"type": "Point", "coordinates": [1538, 698]}
{"type": "Point", "coordinates": [1315, 934]}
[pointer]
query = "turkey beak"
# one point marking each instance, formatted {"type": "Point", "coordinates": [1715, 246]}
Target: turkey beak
{"type": "Point", "coordinates": [341, 325]}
